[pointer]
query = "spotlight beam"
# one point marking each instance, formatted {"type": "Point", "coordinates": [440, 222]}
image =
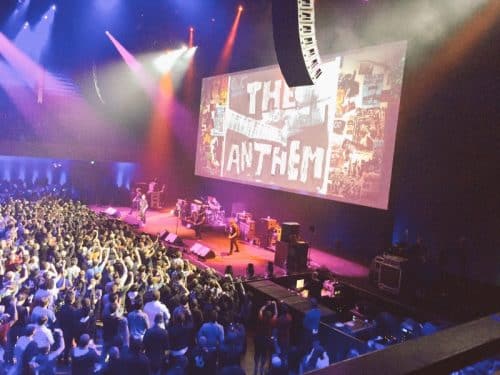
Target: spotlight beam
{"type": "Point", "coordinates": [28, 69]}
{"type": "Point", "coordinates": [166, 61]}
{"type": "Point", "coordinates": [86, 124]}
{"type": "Point", "coordinates": [144, 79]}
{"type": "Point", "coordinates": [159, 138]}
{"type": "Point", "coordinates": [225, 56]}
{"type": "Point", "coordinates": [424, 82]}
{"type": "Point", "coordinates": [34, 40]}
{"type": "Point", "coordinates": [191, 37]}
{"type": "Point", "coordinates": [17, 17]}
{"type": "Point", "coordinates": [18, 93]}
{"type": "Point", "coordinates": [191, 72]}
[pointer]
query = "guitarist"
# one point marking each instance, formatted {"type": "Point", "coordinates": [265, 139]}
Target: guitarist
{"type": "Point", "coordinates": [234, 232]}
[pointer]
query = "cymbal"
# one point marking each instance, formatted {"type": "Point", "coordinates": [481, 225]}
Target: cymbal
{"type": "Point", "coordinates": [197, 201]}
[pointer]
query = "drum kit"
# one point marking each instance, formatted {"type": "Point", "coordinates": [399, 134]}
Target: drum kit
{"type": "Point", "coordinates": [189, 210]}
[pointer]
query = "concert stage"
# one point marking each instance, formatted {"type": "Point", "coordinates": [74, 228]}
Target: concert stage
{"type": "Point", "coordinates": [216, 240]}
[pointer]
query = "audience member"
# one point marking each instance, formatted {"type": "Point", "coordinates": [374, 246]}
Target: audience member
{"type": "Point", "coordinates": [84, 357]}
{"type": "Point", "coordinates": [156, 344]}
{"type": "Point", "coordinates": [263, 336]}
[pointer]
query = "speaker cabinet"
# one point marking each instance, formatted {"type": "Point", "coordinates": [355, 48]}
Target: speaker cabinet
{"type": "Point", "coordinates": [202, 251]}
{"type": "Point", "coordinates": [281, 254]}
{"type": "Point", "coordinates": [292, 257]}
{"type": "Point", "coordinates": [289, 229]}
{"type": "Point", "coordinates": [297, 257]}
{"type": "Point", "coordinates": [263, 231]}
{"type": "Point", "coordinates": [171, 238]}
{"type": "Point", "coordinates": [295, 43]}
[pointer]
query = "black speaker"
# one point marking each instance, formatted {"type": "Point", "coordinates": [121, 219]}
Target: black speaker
{"type": "Point", "coordinates": [263, 230]}
{"type": "Point", "coordinates": [297, 257]}
{"type": "Point", "coordinates": [174, 239]}
{"type": "Point", "coordinates": [281, 254]}
{"type": "Point", "coordinates": [164, 235]}
{"type": "Point", "coordinates": [292, 256]}
{"type": "Point", "coordinates": [202, 251]}
{"type": "Point", "coordinates": [289, 229]}
{"type": "Point", "coordinates": [171, 238]}
{"type": "Point", "coordinates": [112, 212]}
{"type": "Point", "coordinates": [295, 41]}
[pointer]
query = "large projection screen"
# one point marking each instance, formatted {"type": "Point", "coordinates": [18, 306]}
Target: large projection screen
{"type": "Point", "coordinates": [334, 140]}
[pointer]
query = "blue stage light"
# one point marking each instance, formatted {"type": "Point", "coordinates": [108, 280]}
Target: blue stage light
{"type": "Point", "coordinates": [34, 40]}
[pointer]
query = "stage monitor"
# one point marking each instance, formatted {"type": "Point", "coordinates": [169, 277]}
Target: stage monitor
{"type": "Point", "coordinates": [333, 140]}
{"type": "Point", "coordinates": [390, 278]}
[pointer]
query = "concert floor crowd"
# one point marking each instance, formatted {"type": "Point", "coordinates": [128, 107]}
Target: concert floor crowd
{"type": "Point", "coordinates": [84, 293]}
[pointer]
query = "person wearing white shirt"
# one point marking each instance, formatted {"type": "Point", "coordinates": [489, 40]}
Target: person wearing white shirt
{"type": "Point", "coordinates": [43, 335]}
{"type": "Point", "coordinates": [156, 307]}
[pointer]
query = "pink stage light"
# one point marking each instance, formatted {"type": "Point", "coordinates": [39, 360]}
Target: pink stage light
{"type": "Point", "coordinates": [18, 93]}
{"type": "Point", "coordinates": [144, 79]}
{"type": "Point", "coordinates": [48, 95]}
{"type": "Point", "coordinates": [28, 69]}
{"type": "Point", "coordinates": [129, 59]}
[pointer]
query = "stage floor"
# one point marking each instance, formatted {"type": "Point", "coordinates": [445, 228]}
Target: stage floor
{"type": "Point", "coordinates": [157, 221]}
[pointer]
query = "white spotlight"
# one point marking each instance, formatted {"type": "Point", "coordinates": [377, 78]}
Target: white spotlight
{"type": "Point", "coordinates": [190, 53]}
{"type": "Point", "coordinates": [166, 61]}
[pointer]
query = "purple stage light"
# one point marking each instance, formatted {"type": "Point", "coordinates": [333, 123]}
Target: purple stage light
{"type": "Point", "coordinates": [106, 5]}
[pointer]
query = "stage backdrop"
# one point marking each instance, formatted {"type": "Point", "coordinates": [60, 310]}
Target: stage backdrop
{"type": "Point", "coordinates": [333, 140]}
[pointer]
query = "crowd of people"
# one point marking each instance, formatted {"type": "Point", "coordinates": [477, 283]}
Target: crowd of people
{"type": "Point", "coordinates": [89, 294]}
{"type": "Point", "coordinates": [33, 189]}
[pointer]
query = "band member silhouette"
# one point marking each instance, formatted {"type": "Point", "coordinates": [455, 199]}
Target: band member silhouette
{"type": "Point", "coordinates": [143, 207]}
{"type": "Point", "coordinates": [234, 232]}
{"type": "Point", "coordinates": [198, 222]}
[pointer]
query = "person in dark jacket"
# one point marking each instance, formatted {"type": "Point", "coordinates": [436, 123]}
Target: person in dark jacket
{"type": "Point", "coordinates": [134, 361]}
{"type": "Point", "coordinates": [110, 328]}
{"type": "Point", "coordinates": [156, 344]}
{"type": "Point", "coordinates": [84, 357]}
{"type": "Point", "coordinates": [66, 318]}
{"type": "Point", "coordinates": [113, 366]}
